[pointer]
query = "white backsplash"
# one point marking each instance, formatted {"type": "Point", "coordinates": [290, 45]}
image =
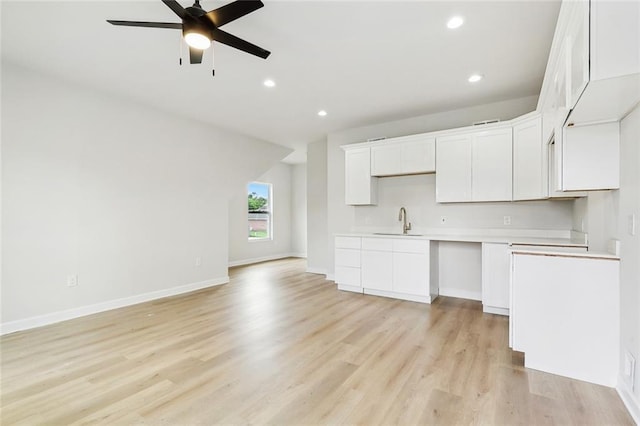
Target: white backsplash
{"type": "Point", "coordinates": [417, 195]}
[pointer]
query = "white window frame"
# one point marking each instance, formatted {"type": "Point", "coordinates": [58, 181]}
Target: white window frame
{"type": "Point", "coordinates": [269, 236]}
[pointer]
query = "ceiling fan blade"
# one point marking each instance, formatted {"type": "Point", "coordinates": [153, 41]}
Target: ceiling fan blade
{"type": "Point", "coordinates": [146, 24]}
{"type": "Point", "coordinates": [233, 41]}
{"type": "Point", "coordinates": [195, 55]}
{"type": "Point", "coordinates": [233, 11]}
{"type": "Point", "coordinates": [175, 6]}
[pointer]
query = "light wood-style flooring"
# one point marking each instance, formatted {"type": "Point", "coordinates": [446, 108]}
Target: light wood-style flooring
{"type": "Point", "coordinates": [280, 346]}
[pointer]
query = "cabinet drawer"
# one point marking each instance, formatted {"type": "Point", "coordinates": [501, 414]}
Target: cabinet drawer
{"type": "Point", "coordinates": [411, 246]}
{"type": "Point", "coordinates": [348, 242]}
{"type": "Point", "coordinates": [378, 244]}
{"type": "Point", "coordinates": [348, 276]}
{"type": "Point", "coordinates": [348, 257]}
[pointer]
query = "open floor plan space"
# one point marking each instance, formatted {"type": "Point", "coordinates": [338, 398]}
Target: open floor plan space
{"type": "Point", "coordinates": [278, 345]}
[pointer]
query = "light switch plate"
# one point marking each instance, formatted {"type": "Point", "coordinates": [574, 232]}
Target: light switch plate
{"type": "Point", "coordinates": [632, 224]}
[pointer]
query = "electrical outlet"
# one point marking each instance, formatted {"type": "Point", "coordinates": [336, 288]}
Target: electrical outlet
{"type": "Point", "coordinates": [443, 219]}
{"type": "Point", "coordinates": [629, 368]}
{"type": "Point", "coordinates": [72, 280]}
{"type": "Point", "coordinates": [198, 261]}
{"type": "Point", "coordinates": [506, 220]}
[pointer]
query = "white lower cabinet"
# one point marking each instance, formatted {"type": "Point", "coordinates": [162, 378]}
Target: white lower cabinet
{"type": "Point", "coordinates": [347, 263]}
{"type": "Point", "coordinates": [377, 267]}
{"type": "Point", "coordinates": [496, 259]}
{"type": "Point", "coordinates": [389, 267]}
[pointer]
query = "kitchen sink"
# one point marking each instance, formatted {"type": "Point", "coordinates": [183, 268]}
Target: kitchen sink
{"type": "Point", "coordinates": [397, 234]}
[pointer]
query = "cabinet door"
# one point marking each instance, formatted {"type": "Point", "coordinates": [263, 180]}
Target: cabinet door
{"type": "Point", "coordinates": [411, 273]}
{"type": "Point", "coordinates": [453, 168]}
{"type": "Point", "coordinates": [492, 166]}
{"type": "Point", "coordinates": [529, 160]}
{"type": "Point", "coordinates": [360, 187]}
{"type": "Point", "coordinates": [577, 52]}
{"type": "Point", "coordinates": [591, 157]}
{"type": "Point", "coordinates": [495, 277]}
{"type": "Point", "coordinates": [419, 156]}
{"type": "Point", "coordinates": [377, 267]}
{"type": "Point", "coordinates": [386, 160]}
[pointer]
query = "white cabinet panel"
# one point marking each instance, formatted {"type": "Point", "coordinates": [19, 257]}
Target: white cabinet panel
{"type": "Point", "coordinates": [377, 270]}
{"type": "Point", "coordinates": [379, 244]}
{"type": "Point", "coordinates": [495, 278]}
{"type": "Point", "coordinates": [349, 276]}
{"type": "Point", "coordinates": [566, 315]}
{"type": "Point", "coordinates": [529, 161]}
{"type": "Point", "coordinates": [347, 257]}
{"type": "Point", "coordinates": [403, 156]}
{"type": "Point", "coordinates": [360, 187]}
{"type": "Point", "coordinates": [411, 246]}
{"type": "Point", "coordinates": [491, 166]}
{"type": "Point", "coordinates": [348, 242]}
{"type": "Point", "coordinates": [419, 156]}
{"type": "Point", "coordinates": [453, 168]}
{"type": "Point", "coordinates": [411, 273]}
{"type": "Point", "coordinates": [591, 157]}
{"type": "Point", "coordinates": [386, 160]}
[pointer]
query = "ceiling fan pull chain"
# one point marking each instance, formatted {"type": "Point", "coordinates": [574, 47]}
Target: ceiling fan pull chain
{"type": "Point", "coordinates": [180, 42]}
{"type": "Point", "coordinates": [213, 65]}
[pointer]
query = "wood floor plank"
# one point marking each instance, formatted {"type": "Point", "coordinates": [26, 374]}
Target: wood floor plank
{"type": "Point", "coordinates": [281, 346]}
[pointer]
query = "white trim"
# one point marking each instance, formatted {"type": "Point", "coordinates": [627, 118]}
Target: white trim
{"type": "Point", "coordinates": [629, 400]}
{"type": "Point", "coordinates": [495, 310]}
{"type": "Point", "coordinates": [401, 296]}
{"type": "Point", "coordinates": [330, 277]}
{"type": "Point", "coordinates": [462, 294]}
{"type": "Point", "coordinates": [260, 259]}
{"type": "Point", "coordinates": [300, 255]}
{"type": "Point", "coordinates": [54, 317]}
{"type": "Point", "coordinates": [317, 271]}
{"type": "Point", "coordinates": [352, 288]}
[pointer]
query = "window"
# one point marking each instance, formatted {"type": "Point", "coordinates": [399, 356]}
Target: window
{"type": "Point", "coordinates": [260, 211]}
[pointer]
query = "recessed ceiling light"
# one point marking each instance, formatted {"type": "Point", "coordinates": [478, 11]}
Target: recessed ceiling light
{"type": "Point", "coordinates": [269, 83]}
{"type": "Point", "coordinates": [475, 78]}
{"type": "Point", "coordinates": [455, 22]}
{"type": "Point", "coordinates": [322, 113]}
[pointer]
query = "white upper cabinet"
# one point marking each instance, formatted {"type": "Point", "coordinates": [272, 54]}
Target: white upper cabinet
{"type": "Point", "coordinates": [474, 166]}
{"type": "Point", "coordinates": [529, 160]}
{"type": "Point", "coordinates": [453, 168]}
{"type": "Point", "coordinates": [360, 187]}
{"type": "Point", "coordinates": [404, 156]}
{"type": "Point", "coordinates": [597, 48]}
{"type": "Point", "coordinates": [591, 158]}
{"type": "Point", "coordinates": [491, 167]}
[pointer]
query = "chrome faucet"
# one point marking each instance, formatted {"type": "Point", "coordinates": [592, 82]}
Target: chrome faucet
{"type": "Point", "coordinates": [403, 217]}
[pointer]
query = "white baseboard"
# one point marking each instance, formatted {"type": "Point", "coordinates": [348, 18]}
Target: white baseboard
{"type": "Point", "coordinates": [41, 320]}
{"type": "Point", "coordinates": [330, 277]}
{"type": "Point", "coordinates": [300, 255]}
{"type": "Point", "coordinates": [316, 271]}
{"type": "Point", "coordinates": [630, 401]}
{"type": "Point", "coordinates": [261, 259]}
{"type": "Point", "coordinates": [462, 294]}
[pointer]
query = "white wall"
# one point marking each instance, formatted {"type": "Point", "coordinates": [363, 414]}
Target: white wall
{"type": "Point", "coordinates": [317, 207]}
{"type": "Point", "coordinates": [241, 249]}
{"type": "Point", "coordinates": [629, 203]}
{"type": "Point", "coordinates": [122, 195]}
{"type": "Point", "coordinates": [299, 210]}
{"type": "Point", "coordinates": [417, 192]}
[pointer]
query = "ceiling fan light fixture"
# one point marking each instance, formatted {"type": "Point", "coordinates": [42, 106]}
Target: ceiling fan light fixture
{"type": "Point", "coordinates": [197, 40]}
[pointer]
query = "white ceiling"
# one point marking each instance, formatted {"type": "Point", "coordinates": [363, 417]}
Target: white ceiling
{"type": "Point", "coordinates": [362, 61]}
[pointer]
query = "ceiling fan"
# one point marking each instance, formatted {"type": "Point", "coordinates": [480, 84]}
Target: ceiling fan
{"type": "Point", "coordinates": [200, 27]}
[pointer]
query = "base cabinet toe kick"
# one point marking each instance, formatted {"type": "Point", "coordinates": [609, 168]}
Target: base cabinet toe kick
{"type": "Point", "coordinates": [388, 267]}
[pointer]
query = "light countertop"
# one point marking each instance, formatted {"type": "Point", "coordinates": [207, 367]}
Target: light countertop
{"type": "Point", "coordinates": [474, 237]}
